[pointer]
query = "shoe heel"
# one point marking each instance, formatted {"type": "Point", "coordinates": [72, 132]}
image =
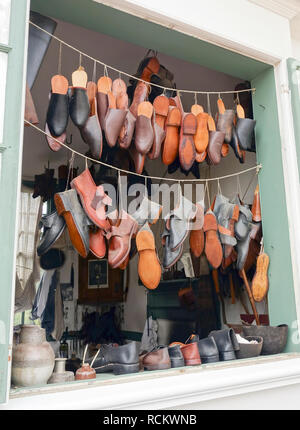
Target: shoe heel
{"type": "Point", "coordinates": [122, 369]}
{"type": "Point", "coordinates": [177, 362]}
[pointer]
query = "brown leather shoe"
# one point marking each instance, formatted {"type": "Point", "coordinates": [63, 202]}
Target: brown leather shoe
{"type": "Point", "coordinates": [158, 359]}
{"type": "Point", "coordinates": [213, 247]}
{"type": "Point", "coordinates": [187, 152]}
{"type": "Point", "coordinates": [171, 143]}
{"type": "Point", "coordinates": [137, 158]}
{"type": "Point", "coordinates": [144, 134]}
{"type": "Point", "coordinates": [140, 95]}
{"type": "Point", "coordinates": [120, 239]}
{"type": "Point", "coordinates": [87, 191]}
{"type": "Point", "coordinates": [191, 354]}
{"type": "Point", "coordinates": [159, 136]}
{"type": "Point", "coordinates": [97, 242]}
{"type": "Point", "coordinates": [216, 140]}
{"type": "Point", "coordinates": [256, 212]}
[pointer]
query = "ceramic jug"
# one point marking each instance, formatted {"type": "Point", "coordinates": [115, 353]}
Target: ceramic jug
{"type": "Point", "coordinates": [32, 358]}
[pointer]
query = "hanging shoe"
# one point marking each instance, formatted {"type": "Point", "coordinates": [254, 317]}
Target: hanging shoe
{"type": "Point", "coordinates": [235, 145]}
{"type": "Point", "coordinates": [137, 158]}
{"type": "Point", "coordinates": [149, 268]}
{"type": "Point", "coordinates": [227, 217]}
{"type": "Point", "coordinates": [213, 247]}
{"type": "Point", "coordinates": [216, 140]}
{"type": "Point", "coordinates": [225, 124]}
{"type": "Point", "coordinates": [256, 211]}
{"type": "Point", "coordinates": [91, 132]}
{"type": "Point", "coordinates": [245, 132]}
{"type": "Point", "coordinates": [97, 242]}
{"type": "Point", "coordinates": [159, 137]}
{"type": "Point", "coordinates": [115, 115]}
{"type": "Point", "coordinates": [120, 239]}
{"type": "Point", "coordinates": [201, 137]}
{"type": "Point", "coordinates": [197, 233]}
{"type": "Point", "coordinates": [187, 152]}
{"type": "Point", "coordinates": [144, 135]}
{"type": "Point", "coordinates": [260, 282]}
{"type": "Point", "coordinates": [104, 86]}
{"type": "Point", "coordinates": [148, 211]}
{"type": "Point", "coordinates": [179, 222]}
{"type": "Point", "coordinates": [67, 204]}
{"type": "Point", "coordinates": [53, 144]}
{"type": "Point", "coordinates": [243, 225]}
{"type": "Point", "coordinates": [58, 109]}
{"type": "Point", "coordinates": [140, 95]}
{"type": "Point", "coordinates": [79, 103]}
{"type": "Point", "coordinates": [93, 199]}
{"type": "Point", "coordinates": [171, 143]}
{"type": "Point", "coordinates": [243, 249]}
{"type": "Point", "coordinates": [53, 226]}
{"type": "Point", "coordinates": [170, 257]}
{"type": "Point", "coordinates": [161, 108]}
{"type": "Point", "coordinates": [127, 130]}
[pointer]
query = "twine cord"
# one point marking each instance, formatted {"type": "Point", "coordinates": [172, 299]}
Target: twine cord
{"type": "Point", "coordinates": [132, 76]}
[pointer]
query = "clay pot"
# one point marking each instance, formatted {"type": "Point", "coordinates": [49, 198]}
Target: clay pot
{"type": "Point", "coordinates": [85, 372]}
{"type": "Point", "coordinates": [32, 358]}
{"type": "Point", "coordinates": [248, 350]}
{"type": "Point", "coordinates": [275, 338]}
{"type": "Point", "coordinates": [60, 374]}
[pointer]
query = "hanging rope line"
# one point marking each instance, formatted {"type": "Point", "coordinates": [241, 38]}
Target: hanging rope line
{"type": "Point", "coordinates": [256, 167]}
{"type": "Point", "coordinates": [120, 72]}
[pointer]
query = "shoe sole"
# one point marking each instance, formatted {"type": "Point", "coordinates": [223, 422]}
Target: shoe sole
{"type": "Point", "coordinates": [158, 367]}
{"type": "Point", "coordinates": [72, 228]}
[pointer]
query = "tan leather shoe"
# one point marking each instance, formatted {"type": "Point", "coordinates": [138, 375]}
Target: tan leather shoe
{"type": "Point", "coordinates": [120, 239]}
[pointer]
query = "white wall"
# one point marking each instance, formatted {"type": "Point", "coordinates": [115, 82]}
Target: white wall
{"type": "Point", "coordinates": [236, 24]}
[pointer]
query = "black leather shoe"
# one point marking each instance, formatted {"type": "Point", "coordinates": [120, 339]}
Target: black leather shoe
{"type": "Point", "coordinates": [207, 347]}
{"type": "Point", "coordinates": [245, 132]}
{"type": "Point", "coordinates": [208, 350]}
{"type": "Point", "coordinates": [226, 342]}
{"type": "Point", "coordinates": [53, 225]}
{"type": "Point", "coordinates": [117, 359]}
{"type": "Point", "coordinates": [58, 114]}
{"type": "Point", "coordinates": [79, 106]}
{"type": "Point", "coordinates": [176, 356]}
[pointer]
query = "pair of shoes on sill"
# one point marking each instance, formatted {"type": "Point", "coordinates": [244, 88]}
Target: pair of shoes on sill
{"type": "Point", "coordinates": [220, 345]}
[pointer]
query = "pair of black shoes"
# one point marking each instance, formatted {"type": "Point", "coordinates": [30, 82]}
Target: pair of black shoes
{"type": "Point", "coordinates": [74, 103]}
{"type": "Point", "coordinates": [220, 345]}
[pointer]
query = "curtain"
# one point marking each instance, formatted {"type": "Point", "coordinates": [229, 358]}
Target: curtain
{"type": "Point", "coordinates": [27, 266]}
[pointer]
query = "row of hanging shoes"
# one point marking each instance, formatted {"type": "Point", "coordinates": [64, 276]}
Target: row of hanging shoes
{"type": "Point", "coordinates": [229, 232]}
{"type": "Point", "coordinates": [83, 210]}
{"type": "Point", "coordinates": [102, 113]}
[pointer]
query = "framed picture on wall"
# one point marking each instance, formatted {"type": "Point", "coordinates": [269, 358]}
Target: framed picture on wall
{"type": "Point", "coordinates": [98, 282]}
{"type": "Point", "coordinates": [97, 274]}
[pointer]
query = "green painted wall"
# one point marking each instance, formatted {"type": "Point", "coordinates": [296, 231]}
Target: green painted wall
{"type": "Point", "coordinates": [10, 175]}
{"type": "Point", "coordinates": [275, 222]}
{"type": "Point", "coordinates": [115, 23]}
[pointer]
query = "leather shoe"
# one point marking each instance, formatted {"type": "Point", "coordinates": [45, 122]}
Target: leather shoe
{"type": "Point", "coordinates": [67, 204]}
{"type": "Point", "coordinates": [226, 342]}
{"type": "Point", "coordinates": [120, 360]}
{"type": "Point", "coordinates": [158, 359]}
{"type": "Point", "coordinates": [53, 226]}
{"type": "Point", "coordinates": [176, 356]}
